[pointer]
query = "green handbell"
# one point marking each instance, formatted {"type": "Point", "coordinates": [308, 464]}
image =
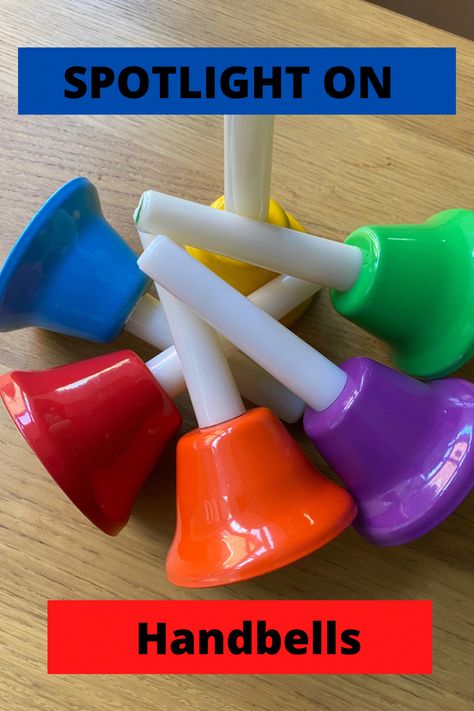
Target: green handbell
{"type": "Point", "coordinates": [415, 291]}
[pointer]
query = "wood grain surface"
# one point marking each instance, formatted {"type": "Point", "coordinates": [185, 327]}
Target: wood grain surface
{"type": "Point", "coordinates": [334, 174]}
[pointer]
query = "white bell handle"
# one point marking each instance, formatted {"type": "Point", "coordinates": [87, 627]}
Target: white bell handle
{"type": "Point", "coordinates": [279, 297]}
{"type": "Point", "coordinates": [248, 143]}
{"type": "Point", "coordinates": [305, 371]}
{"type": "Point", "coordinates": [285, 251]}
{"type": "Point", "coordinates": [211, 387]}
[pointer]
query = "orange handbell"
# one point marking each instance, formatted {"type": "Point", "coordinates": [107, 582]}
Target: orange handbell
{"type": "Point", "coordinates": [249, 501]}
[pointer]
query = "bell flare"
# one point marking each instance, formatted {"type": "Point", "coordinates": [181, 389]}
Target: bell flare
{"type": "Point", "coordinates": [248, 502]}
{"type": "Point", "coordinates": [99, 427]}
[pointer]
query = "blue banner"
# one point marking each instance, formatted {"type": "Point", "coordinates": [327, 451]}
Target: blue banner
{"type": "Point", "coordinates": [237, 80]}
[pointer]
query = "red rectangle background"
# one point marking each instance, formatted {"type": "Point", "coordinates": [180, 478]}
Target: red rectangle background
{"type": "Point", "coordinates": [101, 636]}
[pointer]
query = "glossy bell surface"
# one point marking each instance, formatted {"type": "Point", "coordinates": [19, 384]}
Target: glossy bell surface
{"type": "Point", "coordinates": [249, 501]}
{"type": "Point", "coordinates": [403, 448]}
{"type": "Point", "coordinates": [98, 426]}
{"type": "Point", "coordinates": [70, 271]}
{"type": "Point", "coordinates": [416, 291]}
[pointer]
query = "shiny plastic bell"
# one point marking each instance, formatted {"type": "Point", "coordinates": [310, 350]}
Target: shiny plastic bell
{"type": "Point", "coordinates": [248, 499]}
{"type": "Point", "coordinates": [402, 447]}
{"type": "Point", "coordinates": [98, 426]}
{"type": "Point", "coordinates": [415, 291]}
{"type": "Point", "coordinates": [248, 502]}
{"type": "Point", "coordinates": [70, 271]}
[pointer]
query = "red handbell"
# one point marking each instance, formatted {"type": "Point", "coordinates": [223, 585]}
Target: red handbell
{"type": "Point", "coordinates": [98, 426]}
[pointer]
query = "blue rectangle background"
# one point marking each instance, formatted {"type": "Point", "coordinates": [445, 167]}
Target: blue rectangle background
{"type": "Point", "coordinates": [423, 80]}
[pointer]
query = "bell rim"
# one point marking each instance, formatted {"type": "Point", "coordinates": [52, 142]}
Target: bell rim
{"type": "Point", "coordinates": [178, 571]}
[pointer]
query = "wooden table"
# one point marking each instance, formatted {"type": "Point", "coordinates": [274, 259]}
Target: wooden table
{"type": "Point", "coordinates": [335, 174]}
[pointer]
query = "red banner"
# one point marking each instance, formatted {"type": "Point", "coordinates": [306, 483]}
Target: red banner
{"type": "Point", "coordinates": [239, 637]}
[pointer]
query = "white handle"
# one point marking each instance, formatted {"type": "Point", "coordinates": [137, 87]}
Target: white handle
{"type": "Point", "coordinates": [248, 144]}
{"type": "Point", "coordinates": [281, 249]}
{"type": "Point", "coordinates": [302, 369]}
{"type": "Point", "coordinates": [148, 322]}
{"type": "Point", "coordinates": [209, 380]}
{"type": "Point", "coordinates": [253, 382]}
{"type": "Point", "coordinates": [166, 368]}
{"type": "Point", "coordinates": [278, 297]}
{"type": "Point", "coordinates": [266, 390]}
{"type": "Point", "coordinates": [283, 294]}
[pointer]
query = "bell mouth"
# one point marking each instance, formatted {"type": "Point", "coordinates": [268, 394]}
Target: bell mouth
{"type": "Point", "coordinates": [17, 282]}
